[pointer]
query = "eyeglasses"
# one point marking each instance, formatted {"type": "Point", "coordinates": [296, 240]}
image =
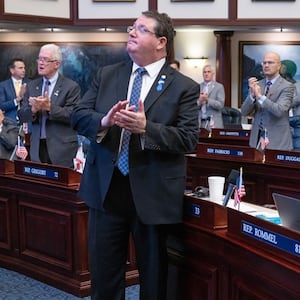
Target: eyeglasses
{"type": "Point", "coordinates": [268, 62]}
{"type": "Point", "coordinates": [45, 60]}
{"type": "Point", "coordinates": [140, 28]}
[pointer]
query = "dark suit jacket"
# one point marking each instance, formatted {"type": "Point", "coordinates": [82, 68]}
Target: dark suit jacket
{"type": "Point", "coordinates": [7, 96]}
{"type": "Point", "coordinates": [62, 140]}
{"type": "Point", "coordinates": [8, 137]}
{"type": "Point", "coordinates": [157, 172]}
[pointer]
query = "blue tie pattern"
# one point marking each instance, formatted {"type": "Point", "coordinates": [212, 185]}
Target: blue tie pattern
{"type": "Point", "coordinates": [269, 83]}
{"type": "Point", "coordinates": [134, 99]}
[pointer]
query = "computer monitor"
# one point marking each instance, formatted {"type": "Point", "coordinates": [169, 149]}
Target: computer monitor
{"type": "Point", "coordinates": [288, 210]}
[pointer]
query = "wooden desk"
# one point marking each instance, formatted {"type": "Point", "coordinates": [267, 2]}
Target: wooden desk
{"type": "Point", "coordinates": [210, 264]}
{"type": "Point", "coordinates": [263, 173]}
{"type": "Point", "coordinates": [43, 231]}
{"type": "Point", "coordinates": [217, 262]}
{"type": "Point", "coordinates": [225, 136]}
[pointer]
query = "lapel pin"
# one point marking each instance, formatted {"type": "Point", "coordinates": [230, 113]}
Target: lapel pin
{"type": "Point", "coordinates": [161, 82]}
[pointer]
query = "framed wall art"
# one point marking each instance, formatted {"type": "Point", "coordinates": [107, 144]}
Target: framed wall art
{"type": "Point", "coordinates": [80, 60]}
{"type": "Point", "coordinates": [192, 0]}
{"type": "Point", "coordinates": [251, 56]}
{"type": "Point", "coordinates": [273, 0]}
{"type": "Point", "coordinates": [114, 0]}
{"type": "Point", "coordinates": [42, 8]}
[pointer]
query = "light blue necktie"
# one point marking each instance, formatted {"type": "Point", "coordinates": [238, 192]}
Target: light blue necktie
{"type": "Point", "coordinates": [44, 113]}
{"type": "Point", "coordinates": [134, 99]}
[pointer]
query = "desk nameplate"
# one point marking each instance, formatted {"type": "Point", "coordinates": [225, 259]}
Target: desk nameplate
{"type": "Point", "coordinates": [204, 213]}
{"type": "Point", "coordinates": [283, 158]}
{"type": "Point", "coordinates": [225, 134]}
{"type": "Point", "coordinates": [48, 173]}
{"type": "Point", "coordinates": [6, 166]}
{"type": "Point", "coordinates": [278, 240]}
{"type": "Point", "coordinates": [229, 152]}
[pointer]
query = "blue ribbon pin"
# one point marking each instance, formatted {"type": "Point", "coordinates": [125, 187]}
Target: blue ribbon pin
{"type": "Point", "coordinates": [161, 82]}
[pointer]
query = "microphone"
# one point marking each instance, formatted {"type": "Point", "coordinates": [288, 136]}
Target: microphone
{"type": "Point", "coordinates": [234, 174]}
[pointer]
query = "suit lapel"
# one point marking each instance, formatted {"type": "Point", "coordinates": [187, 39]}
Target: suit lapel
{"type": "Point", "coordinates": [123, 81]}
{"type": "Point", "coordinates": [211, 87]}
{"type": "Point", "coordinates": [12, 88]}
{"type": "Point", "coordinates": [57, 88]}
{"type": "Point", "coordinates": [37, 89]}
{"type": "Point", "coordinates": [162, 81]}
{"type": "Point", "coordinates": [274, 89]}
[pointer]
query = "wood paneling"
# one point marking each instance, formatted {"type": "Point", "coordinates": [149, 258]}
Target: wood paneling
{"type": "Point", "coordinates": [43, 234]}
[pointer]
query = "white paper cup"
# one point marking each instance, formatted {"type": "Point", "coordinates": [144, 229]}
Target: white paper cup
{"type": "Point", "coordinates": [216, 188]}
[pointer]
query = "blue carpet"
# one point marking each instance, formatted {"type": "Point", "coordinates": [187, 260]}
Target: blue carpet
{"type": "Point", "coordinates": [15, 286]}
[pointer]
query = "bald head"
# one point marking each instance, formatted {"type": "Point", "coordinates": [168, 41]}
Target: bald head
{"type": "Point", "coordinates": [271, 65]}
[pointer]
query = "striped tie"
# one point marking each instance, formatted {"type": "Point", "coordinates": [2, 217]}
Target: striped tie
{"type": "Point", "coordinates": [123, 164]}
{"type": "Point", "coordinates": [268, 84]}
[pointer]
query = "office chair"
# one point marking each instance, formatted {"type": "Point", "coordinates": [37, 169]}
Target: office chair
{"type": "Point", "coordinates": [232, 117]}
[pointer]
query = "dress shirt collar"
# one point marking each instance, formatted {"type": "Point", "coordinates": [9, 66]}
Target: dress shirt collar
{"type": "Point", "coordinates": [272, 80]}
{"type": "Point", "coordinates": [152, 69]}
{"type": "Point", "coordinates": [16, 80]}
{"type": "Point", "coordinates": [52, 80]}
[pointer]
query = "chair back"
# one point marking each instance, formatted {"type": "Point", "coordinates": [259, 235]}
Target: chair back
{"type": "Point", "coordinates": [231, 116]}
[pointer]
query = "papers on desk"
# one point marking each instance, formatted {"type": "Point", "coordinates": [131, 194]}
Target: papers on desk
{"type": "Point", "coordinates": [261, 212]}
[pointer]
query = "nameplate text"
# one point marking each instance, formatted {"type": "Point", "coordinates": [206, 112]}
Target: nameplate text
{"type": "Point", "coordinates": [288, 158]}
{"type": "Point", "coordinates": [194, 210]}
{"type": "Point", "coordinates": [228, 152]}
{"type": "Point", "coordinates": [234, 133]}
{"type": "Point", "coordinates": [271, 238]}
{"type": "Point", "coordinates": [41, 172]}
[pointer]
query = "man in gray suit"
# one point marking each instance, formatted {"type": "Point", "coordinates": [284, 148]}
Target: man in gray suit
{"type": "Point", "coordinates": [48, 103]}
{"type": "Point", "coordinates": [269, 101]}
{"type": "Point", "coordinates": [146, 199]}
{"type": "Point", "coordinates": [211, 100]}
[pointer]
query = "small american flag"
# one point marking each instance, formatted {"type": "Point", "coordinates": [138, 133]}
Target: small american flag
{"type": "Point", "coordinates": [263, 141]}
{"type": "Point", "coordinates": [21, 150]}
{"type": "Point", "coordinates": [79, 160]}
{"type": "Point", "coordinates": [240, 191]}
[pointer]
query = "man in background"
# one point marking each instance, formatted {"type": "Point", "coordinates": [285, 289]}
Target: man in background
{"type": "Point", "coordinates": [269, 101]}
{"type": "Point", "coordinates": [48, 103]}
{"type": "Point", "coordinates": [13, 89]}
{"type": "Point", "coordinates": [9, 131]}
{"type": "Point", "coordinates": [211, 100]}
{"type": "Point", "coordinates": [134, 176]}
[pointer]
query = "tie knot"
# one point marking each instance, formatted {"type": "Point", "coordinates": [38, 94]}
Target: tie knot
{"type": "Point", "coordinates": [269, 83]}
{"type": "Point", "coordinates": [141, 71]}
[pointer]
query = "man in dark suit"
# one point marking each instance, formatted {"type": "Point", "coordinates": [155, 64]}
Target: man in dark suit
{"type": "Point", "coordinates": [163, 126]}
{"type": "Point", "coordinates": [12, 90]}
{"type": "Point", "coordinates": [9, 131]}
{"type": "Point", "coordinates": [48, 103]}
